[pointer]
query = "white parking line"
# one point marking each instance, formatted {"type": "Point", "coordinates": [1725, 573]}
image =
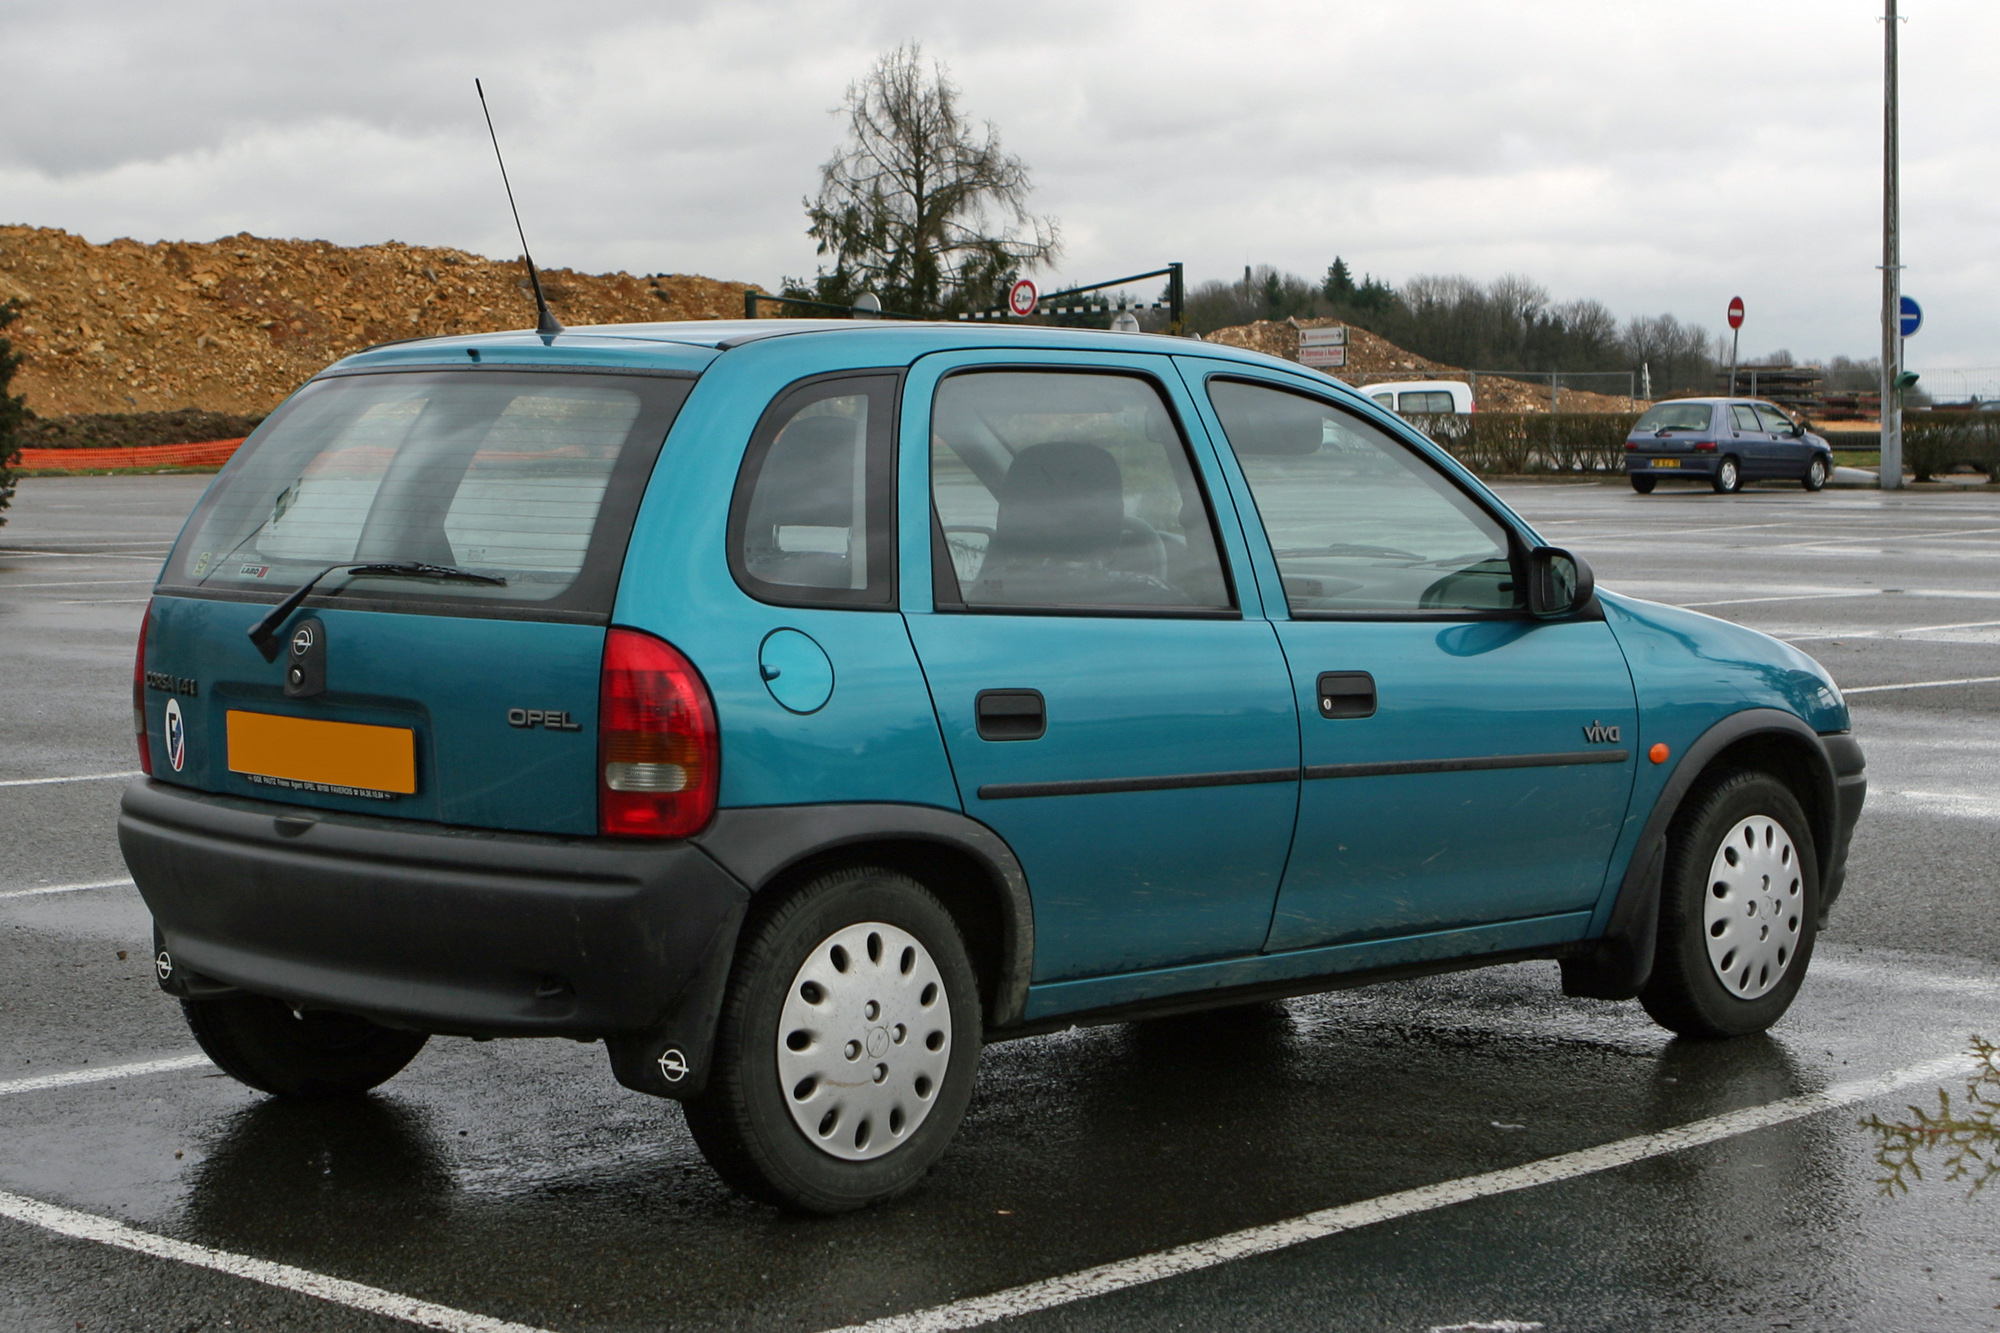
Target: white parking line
{"type": "Point", "coordinates": [1922, 685]}
{"type": "Point", "coordinates": [1128, 1273]}
{"type": "Point", "coordinates": [104, 1074]}
{"type": "Point", "coordinates": [42, 890]}
{"type": "Point", "coordinates": [78, 777]}
{"type": "Point", "coordinates": [339, 1291]}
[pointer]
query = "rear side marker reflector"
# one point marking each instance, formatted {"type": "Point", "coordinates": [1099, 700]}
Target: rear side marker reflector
{"type": "Point", "coordinates": [659, 754]}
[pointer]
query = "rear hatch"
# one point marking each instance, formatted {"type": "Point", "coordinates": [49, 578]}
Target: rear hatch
{"type": "Point", "coordinates": [457, 681]}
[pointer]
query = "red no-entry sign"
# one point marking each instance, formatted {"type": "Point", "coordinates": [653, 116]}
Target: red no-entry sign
{"type": "Point", "coordinates": [1735, 312]}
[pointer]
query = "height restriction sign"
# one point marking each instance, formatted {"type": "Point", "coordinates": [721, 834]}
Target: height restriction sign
{"type": "Point", "coordinates": [1021, 298]}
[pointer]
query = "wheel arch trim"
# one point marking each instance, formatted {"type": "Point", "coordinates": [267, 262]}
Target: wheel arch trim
{"type": "Point", "coordinates": [764, 845]}
{"type": "Point", "coordinates": [1616, 964]}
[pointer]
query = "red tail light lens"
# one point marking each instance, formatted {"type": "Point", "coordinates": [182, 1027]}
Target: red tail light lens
{"type": "Point", "coordinates": [1707, 446]}
{"type": "Point", "coordinates": [139, 696]}
{"type": "Point", "coordinates": [659, 756]}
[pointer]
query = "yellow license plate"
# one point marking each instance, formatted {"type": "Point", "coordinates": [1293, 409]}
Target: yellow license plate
{"type": "Point", "coordinates": [1666, 462]}
{"type": "Point", "coordinates": [308, 754]}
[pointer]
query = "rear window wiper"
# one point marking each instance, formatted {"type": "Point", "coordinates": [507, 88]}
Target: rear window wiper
{"type": "Point", "coordinates": [265, 632]}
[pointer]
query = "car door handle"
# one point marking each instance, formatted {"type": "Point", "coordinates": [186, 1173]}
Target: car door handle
{"type": "Point", "coordinates": [1010, 715]}
{"type": "Point", "coordinates": [1346, 694]}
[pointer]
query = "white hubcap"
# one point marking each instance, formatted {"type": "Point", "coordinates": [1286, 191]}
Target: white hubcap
{"type": "Point", "coordinates": [1754, 908]}
{"type": "Point", "coordinates": [863, 1041]}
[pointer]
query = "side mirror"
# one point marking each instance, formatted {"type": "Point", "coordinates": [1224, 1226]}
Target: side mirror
{"type": "Point", "coordinates": [1559, 584]}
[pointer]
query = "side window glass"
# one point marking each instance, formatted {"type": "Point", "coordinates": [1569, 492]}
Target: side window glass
{"type": "Point", "coordinates": [811, 523]}
{"type": "Point", "coordinates": [1775, 421]}
{"type": "Point", "coordinates": [1070, 490]}
{"type": "Point", "coordinates": [1358, 522]}
{"type": "Point", "coordinates": [1745, 417]}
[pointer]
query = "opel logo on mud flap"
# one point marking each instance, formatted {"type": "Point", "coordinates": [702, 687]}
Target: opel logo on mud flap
{"type": "Point", "coordinates": [302, 640]}
{"type": "Point", "coordinates": [673, 1064]}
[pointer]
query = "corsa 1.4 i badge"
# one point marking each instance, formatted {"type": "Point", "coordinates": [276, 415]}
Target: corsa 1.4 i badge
{"type": "Point", "coordinates": [176, 735]}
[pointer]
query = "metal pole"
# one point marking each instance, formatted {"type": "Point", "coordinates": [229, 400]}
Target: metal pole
{"type": "Point", "coordinates": [1176, 297]}
{"type": "Point", "coordinates": [1892, 263]}
{"type": "Point", "coordinates": [749, 303]}
{"type": "Point", "coordinates": [1736, 336]}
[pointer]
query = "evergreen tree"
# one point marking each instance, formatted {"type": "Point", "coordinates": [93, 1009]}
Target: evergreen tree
{"type": "Point", "coordinates": [13, 407]}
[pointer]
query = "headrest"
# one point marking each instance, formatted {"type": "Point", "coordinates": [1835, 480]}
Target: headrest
{"type": "Point", "coordinates": [1061, 501]}
{"type": "Point", "coordinates": [808, 476]}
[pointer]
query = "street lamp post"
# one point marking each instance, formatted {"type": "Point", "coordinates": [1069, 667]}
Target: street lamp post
{"type": "Point", "coordinates": [1892, 266]}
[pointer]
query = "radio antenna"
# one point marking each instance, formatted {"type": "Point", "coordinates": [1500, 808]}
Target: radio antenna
{"type": "Point", "coordinates": [546, 323]}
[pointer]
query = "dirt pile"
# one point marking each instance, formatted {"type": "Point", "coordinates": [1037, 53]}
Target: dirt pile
{"type": "Point", "coordinates": [1373, 360]}
{"type": "Point", "coordinates": [234, 325]}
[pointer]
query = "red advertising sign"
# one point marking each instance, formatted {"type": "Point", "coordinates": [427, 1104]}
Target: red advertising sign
{"type": "Point", "coordinates": [1021, 298]}
{"type": "Point", "coordinates": [1735, 312]}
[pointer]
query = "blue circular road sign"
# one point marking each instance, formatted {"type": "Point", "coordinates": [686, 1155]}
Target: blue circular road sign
{"type": "Point", "coordinates": [1913, 317]}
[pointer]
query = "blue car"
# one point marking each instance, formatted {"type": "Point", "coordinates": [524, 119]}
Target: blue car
{"type": "Point", "coordinates": [1724, 442]}
{"type": "Point", "coordinates": [797, 706]}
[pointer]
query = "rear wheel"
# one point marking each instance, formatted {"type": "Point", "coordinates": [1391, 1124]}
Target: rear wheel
{"type": "Point", "coordinates": [1728, 477]}
{"type": "Point", "coordinates": [848, 1043]}
{"type": "Point", "coordinates": [1738, 908]}
{"type": "Point", "coordinates": [1816, 476]}
{"type": "Point", "coordinates": [1643, 484]}
{"type": "Point", "coordinates": [306, 1054]}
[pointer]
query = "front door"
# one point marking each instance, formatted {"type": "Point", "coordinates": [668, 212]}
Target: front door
{"type": "Point", "coordinates": [1465, 765]}
{"type": "Point", "coordinates": [1108, 707]}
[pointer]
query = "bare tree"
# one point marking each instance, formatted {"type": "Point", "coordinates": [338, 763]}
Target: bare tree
{"type": "Point", "coordinates": [917, 206]}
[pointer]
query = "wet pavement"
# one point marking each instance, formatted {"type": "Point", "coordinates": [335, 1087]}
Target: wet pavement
{"type": "Point", "coordinates": [516, 1181]}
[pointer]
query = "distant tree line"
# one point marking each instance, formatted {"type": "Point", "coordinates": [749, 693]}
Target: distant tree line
{"type": "Point", "coordinates": [1511, 323]}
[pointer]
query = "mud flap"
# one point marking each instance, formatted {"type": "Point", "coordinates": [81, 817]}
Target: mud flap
{"type": "Point", "coordinates": [1617, 965]}
{"type": "Point", "coordinates": [671, 1058]}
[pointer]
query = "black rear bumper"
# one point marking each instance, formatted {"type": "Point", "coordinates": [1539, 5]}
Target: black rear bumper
{"type": "Point", "coordinates": [443, 929]}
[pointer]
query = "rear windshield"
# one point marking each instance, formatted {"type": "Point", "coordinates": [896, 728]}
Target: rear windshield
{"type": "Point", "coordinates": [1674, 416]}
{"type": "Point", "coordinates": [523, 476]}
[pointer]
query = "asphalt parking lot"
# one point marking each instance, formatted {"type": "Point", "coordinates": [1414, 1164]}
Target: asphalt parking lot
{"type": "Point", "coordinates": [1468, 1151]}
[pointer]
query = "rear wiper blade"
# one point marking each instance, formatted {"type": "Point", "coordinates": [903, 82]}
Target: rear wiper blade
{"type": "Point", "coordinates": [265, 632]}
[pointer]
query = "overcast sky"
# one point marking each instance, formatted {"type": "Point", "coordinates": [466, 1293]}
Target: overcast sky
{"type": "Point", "coordinates": [1657, 156]}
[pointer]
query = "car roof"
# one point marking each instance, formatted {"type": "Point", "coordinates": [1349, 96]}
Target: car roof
{"type": "Point", "coordinates": [691, 345]}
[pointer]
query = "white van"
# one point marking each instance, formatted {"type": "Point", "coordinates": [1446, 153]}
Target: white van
{"type": "Point", "coordinates": [1410, 397]}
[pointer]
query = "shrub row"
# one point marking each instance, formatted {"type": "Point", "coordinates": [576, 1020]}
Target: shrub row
{"type": "Point", "coordinates": [1518, 443]}
{"type": "Point", "coordinates": [133, 430]}
{"type": "Point", "coordinates": [1941, 441]}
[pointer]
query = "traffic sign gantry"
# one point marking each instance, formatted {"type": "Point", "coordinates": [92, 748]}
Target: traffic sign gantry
{"type": "Point", "coordinates": [1912, 317]}
{"type": "Point", "coordinates": [1022, 297]}
{"type": "Point", "coordinates": [1735, 312]}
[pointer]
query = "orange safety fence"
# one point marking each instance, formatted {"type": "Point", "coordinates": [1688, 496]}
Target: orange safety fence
{"type": "Point", "coordinates": [210, 453]}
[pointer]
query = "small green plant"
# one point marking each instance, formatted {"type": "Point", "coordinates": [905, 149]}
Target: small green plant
{"type": "Point", "coordinates": [13, 407]}
{"type": "Point", "coordinates": [1964, 1138]}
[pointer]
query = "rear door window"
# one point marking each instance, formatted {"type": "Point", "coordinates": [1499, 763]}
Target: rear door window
{"type": "Point", "coordinates": [527, 477]}
{"type": "Point", "coordinates": [1070, 490]}
{"type": "Point", "coordinates": [1426, 400]}
{"type": "Point", "coordinates": [1745, 418]}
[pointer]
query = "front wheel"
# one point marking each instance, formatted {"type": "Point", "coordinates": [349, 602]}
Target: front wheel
{"type": "Point", "coordinates": [1728, 477]}
{"type": "Point", "coordinates": [1644, 485]}
{"type": "Point", "coordinates": [1816, 476]}
{"type": "Point", "coordinates": [1738, 909]}
{"type": "Point", "coordinates": [307, 1054]}
{"type": "Point", "coordinates": [847, 1048]}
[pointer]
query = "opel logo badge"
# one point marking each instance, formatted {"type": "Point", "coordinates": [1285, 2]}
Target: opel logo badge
{"type": "Point", "coordinates": [673, 1064]}
{"type": "Point", "coordinates": [302, 640]}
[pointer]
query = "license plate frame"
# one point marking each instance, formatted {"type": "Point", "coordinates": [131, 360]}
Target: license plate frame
{"type": "Point", "coordinates": [318, 755]}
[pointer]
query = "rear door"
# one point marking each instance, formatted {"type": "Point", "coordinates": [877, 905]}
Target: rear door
{"type": "Point", "coordinates": [1110, 704]}
{"type": "Point", "coordinates": [1466, 767]}
{"type": "Point", "coordinates": [463, 700]}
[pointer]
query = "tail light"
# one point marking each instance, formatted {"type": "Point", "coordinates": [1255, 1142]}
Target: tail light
{"type": "Point", "coordinates": [1631, 444]}
{"type": "Point", "coordinates": [139, 696]}
{"type": "Point", "coordinates": [659, 756]}
{"type": "Point", "coordinates": [1704, 446]}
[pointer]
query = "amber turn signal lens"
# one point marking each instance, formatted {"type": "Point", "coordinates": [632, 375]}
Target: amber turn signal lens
{"type": "Point", "coordinates": [1658, 754]}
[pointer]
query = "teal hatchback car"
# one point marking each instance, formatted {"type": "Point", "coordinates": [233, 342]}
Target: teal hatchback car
{"type": "Point", "coordinates": [797, 706]}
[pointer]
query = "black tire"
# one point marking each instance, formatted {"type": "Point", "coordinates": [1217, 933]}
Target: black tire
{"type": "Point", "coordinates": [1817, 474]}
{"type": "Point", "coordinates": [312, 1055]}
{"type": "Point", "coordinates": [1644, 485]}
{"type": "Point", "coordinates": [1728, 478]}
{"type": "Point", "coordinates": [1687, 993]}
{"type": "Point", "coordinates": [743, 1121]}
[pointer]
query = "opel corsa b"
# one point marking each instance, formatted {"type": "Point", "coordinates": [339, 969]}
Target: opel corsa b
{"type": "Point", "coordinates": [796, 707]}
